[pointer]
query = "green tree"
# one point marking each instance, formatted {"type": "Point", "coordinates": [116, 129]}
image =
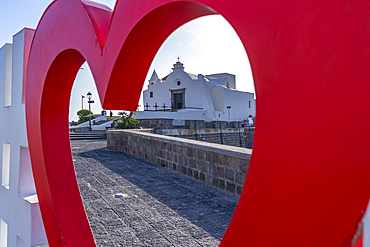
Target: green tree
{"type": "Point", "coordinates": [83, 116]}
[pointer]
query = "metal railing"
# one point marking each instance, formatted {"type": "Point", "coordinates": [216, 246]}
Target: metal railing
{"type": "Point", "coordinates": [168, 109]}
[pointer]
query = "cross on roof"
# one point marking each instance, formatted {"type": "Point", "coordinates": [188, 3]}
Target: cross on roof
{"type": "Point", "coordinates": [178, 59]}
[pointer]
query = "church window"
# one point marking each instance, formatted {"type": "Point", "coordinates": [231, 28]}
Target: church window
{"type": "Point", "coordinates": [227, 84]}
{"type": "Point", "coordinates": [249, 104]}
{"type": "Point", "coordinates": [151, 95]}
{"type": "Point", "coordinates": [178, 83]}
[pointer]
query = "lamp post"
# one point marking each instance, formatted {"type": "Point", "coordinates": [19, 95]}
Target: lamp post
{"type": "Point", "coordinates": [89, 95]}
{"type": "Point", "coordinates": [228, 112]}
{"type": "Point", "coordinates": [82, 102]}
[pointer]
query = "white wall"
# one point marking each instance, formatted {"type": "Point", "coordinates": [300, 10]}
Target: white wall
{"type": "Point", "coordinates": [6, 72]}
{"type": "Point", "coordinates": [18, 211]}
{"type": "Point", "coordinates": [218, 98]}
{"type": "Point", "coordinates": [228, 78]}
{"type": "Point", "coordinates": [239, 102]}
{"type": "Point", "coordinates": [366, 221]}
{"type": "Point", "coordinates": [181, 114]}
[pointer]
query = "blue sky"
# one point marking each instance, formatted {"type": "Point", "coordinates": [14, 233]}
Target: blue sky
{"type": "Point", "coordinates": [206, 45]}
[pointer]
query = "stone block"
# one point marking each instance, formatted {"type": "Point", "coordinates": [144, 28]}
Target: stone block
{"type": "Point", "coordinates": [192, 163]}
{"type": "Point", "coordinates": [181, 159]}
{"type": "Point", "coordinates": [184, 170]}
{"type": "Point", "coordinates": [196, 175]}
{"type": "Point", "coordinates": [202, 177]}
{"type": "Point", "coordinates": [221, 184]}
{"type": "Point", "coordinates": [200, 154]}
{"type": "Point", "coordinates": [186, 161]}
{"type": "Point", "coordinates": [209, 156]}
{"type": "Point", "coordinates": [201, 166]}
{"type": "Point", "coordinates": [215, 182]}
{"type": "Point", "coordinates": [229, 174]}
{"type": "Point", "coordinates": [216, 158]}
{"type": "Point", "coordinates": [244, 164]}
{"type": "Point", "coordinates": [212, 169]}
{"type": "Point", "coordinates": [239, 190]}
{"type": "Point", "coordinates": [169, 156]}
{"type": "Point", "coordinates": [240, 177]}
{"type": "Point", "coordinates": [220, 171]}
{"type": "Point", "coordinates": [230, 187]}
{"type": "Point", "coordinates": [190, 172]}
{"type": "Point", "coordinates": [223, 160]}
{"type": "Point", "coordinates": [208, 179]}
{"type": "Point", "coordinates": [189, 152]}
{"type": "Point", "coordinates": [234, 162]}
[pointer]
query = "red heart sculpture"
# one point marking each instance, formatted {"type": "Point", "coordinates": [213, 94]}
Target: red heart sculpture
{"type": "Point", "coordinates": [307, 184]}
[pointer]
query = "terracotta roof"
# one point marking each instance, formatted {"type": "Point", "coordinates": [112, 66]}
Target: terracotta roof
{"type": "Point", "coordinates": [165, 78]}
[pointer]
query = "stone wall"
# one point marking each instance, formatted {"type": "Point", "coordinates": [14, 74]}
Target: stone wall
{"type": "Point", "coordinates": [75, 129]}
{"type": "Point", "coordinates": [218, 165]}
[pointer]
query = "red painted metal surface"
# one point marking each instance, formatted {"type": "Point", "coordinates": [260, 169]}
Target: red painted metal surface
{"type": "Point", "coordinates": [307, 183]}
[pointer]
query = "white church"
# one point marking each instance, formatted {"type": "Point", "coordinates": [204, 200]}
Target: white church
{"type": "Point", "coordinates": [181, 95]}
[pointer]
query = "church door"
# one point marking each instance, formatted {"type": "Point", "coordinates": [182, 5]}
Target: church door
{"type": "Point", "coordinates": [178, 101]}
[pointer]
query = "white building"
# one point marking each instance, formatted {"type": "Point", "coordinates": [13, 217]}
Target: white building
{"type": "Point", "coordinates": [196, 97]}
{"type": "Point", "coordinates": [21, 224]}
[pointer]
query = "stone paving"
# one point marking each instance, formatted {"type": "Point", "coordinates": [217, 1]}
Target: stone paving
{"type": "Point", "coordinates": [158, 207]}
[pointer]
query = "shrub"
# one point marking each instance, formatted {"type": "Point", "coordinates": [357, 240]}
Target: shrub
{"type": "Point", "coordinates": [126, 121]}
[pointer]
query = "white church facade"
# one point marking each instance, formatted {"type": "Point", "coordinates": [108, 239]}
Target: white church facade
{"type": "Point", "coordinates": [181, 95]}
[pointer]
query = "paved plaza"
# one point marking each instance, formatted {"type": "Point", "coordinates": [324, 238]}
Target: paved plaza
{"type": "Point", "coordinates": [157, 207]}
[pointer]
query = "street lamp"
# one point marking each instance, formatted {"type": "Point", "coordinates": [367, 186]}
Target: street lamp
{"type": "Point", "coordinates": [82, 102]}
{"type": "Point", "coordinates": [228, 112]}
{"type": "Point", "coordinates": [89, 95]}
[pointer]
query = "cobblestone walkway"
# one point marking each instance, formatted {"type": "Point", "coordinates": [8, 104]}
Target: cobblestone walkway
{"type": "Point", "coordinates": [158, 207]}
